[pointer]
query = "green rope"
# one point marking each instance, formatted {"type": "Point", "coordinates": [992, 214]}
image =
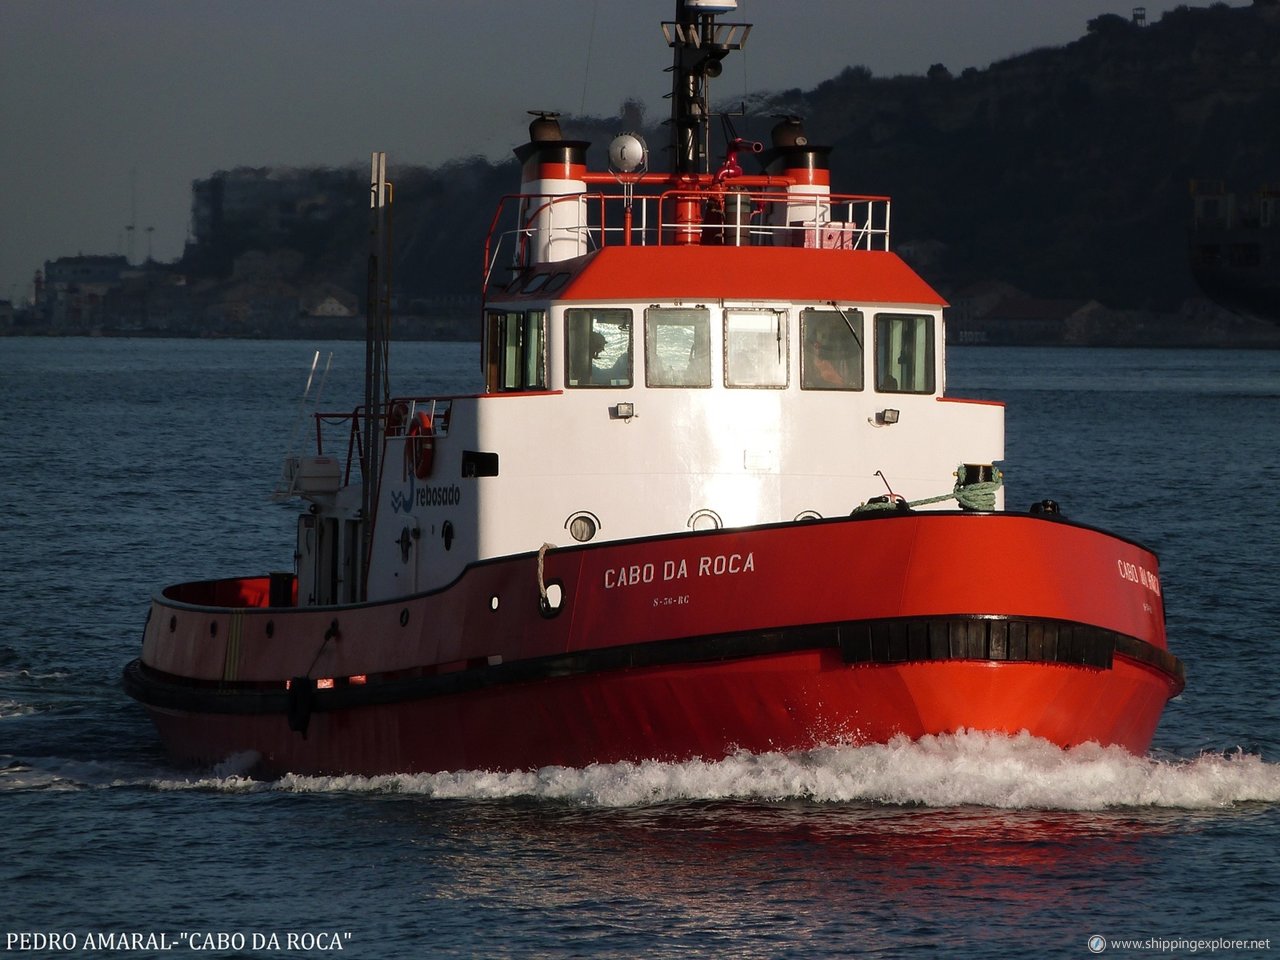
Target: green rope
{"type": "Point", "coordinates": [970, 496]}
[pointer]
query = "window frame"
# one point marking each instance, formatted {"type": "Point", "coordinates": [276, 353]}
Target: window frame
{"type": "Point", "coordinates": [885, 342]}
{"type": "Point", "coordinates": [574, 361]}
{"type": "Point", "coordinates": [841, 318]}
{"type": "Point", "coordinates": [512, 364]}
{"type": "Point", "coordinates": [782, 318]}
{"type": "Point", "coordinates": [652, 362]}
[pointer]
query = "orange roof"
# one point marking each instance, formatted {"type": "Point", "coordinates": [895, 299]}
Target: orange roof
{"type": "Point", "coordinates": [744, 273]}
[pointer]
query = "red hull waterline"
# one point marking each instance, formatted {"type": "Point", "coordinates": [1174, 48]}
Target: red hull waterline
{"type": "Point", "coordinates": [777, 638]}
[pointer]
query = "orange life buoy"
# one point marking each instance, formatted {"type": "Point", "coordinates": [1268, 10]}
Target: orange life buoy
{"type": "Point", "coordinates": [420, 449]}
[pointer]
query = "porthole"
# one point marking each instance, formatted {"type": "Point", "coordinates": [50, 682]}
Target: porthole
{"type": "Point", "coordinates": [213, 628]}
{"type": "Point", "coordinates": [404, 617]}
{"type": "Point", "coordinates": [271, 629]}
{"type": "Point", "coordinates": [705, 520]}
{"type": "Point", "coordinates": [173, 624]}
{"type": "Point", "coordinates": [493, 602]}
{"type": "Point", "coordinates": [583, 526]}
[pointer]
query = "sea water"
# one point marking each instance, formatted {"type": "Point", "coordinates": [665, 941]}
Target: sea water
{"type": "Point", "coordinates": [132, 463]}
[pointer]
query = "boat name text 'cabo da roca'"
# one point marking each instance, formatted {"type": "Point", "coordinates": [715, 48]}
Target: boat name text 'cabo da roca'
{"type": "Point", "coordinates": [717, 566]}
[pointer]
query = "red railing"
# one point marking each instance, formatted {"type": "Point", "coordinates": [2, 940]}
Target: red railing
{"type": "Point", "coordinates": [706, 214]}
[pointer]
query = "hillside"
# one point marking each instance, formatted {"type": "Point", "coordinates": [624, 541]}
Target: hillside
{"type": "Point", "coordinates": [1063, 172]}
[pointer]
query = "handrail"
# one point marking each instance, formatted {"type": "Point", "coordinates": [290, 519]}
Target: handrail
{"type": "Point", "coordinates": [355, 446]}
{"type": "Point", "coordinates": [690, 215]}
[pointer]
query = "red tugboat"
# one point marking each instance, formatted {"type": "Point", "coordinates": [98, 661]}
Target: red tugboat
{"type": "Point", "coordinates": [714, 497]}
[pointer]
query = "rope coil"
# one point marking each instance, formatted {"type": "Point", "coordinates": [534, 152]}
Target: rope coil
{"type": "Point", "coordinates": [970, 496]}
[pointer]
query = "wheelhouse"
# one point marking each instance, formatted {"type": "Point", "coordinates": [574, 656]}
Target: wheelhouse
{"type": "Point", "coordinates": [704, 346]}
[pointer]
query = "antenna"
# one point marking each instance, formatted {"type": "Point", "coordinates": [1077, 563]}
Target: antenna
{"type": "Point", "coordinates": [287, 484]}
{"type": "Point", "coordinates": [377, 389]}
{"type": "Point", "coordinates": [699, 44]}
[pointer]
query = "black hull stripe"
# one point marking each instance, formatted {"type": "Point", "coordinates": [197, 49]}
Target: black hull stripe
{"type": "Point", "coordinates": [862, 642]}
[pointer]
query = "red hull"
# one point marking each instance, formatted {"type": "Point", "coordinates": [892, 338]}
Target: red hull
{"type": "Point", "coordinates": [793, 702]}
{"type": "Point", "coordinates": [925, 624]}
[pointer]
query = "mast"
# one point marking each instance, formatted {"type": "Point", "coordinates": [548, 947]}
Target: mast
{"type": "Point", "coordinates": [377, 333]}
{"type": "Point", "coordinates": [698, 44]}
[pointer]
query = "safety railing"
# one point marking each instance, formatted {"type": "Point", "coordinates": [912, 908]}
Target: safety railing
{"type": "Point", "coordinates": [424, 416]}
{"type": "Point", "coordinates": [526, 226]}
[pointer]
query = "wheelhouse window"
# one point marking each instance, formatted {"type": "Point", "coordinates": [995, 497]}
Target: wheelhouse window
{"type": "Point", "coordinates": [904, 353]}
{"type": "Point", "coordinates": [755, 348]}
{"type": "Point", "coordinates": [677, 347]}
{"type": "Point", "coordinates": [515, 350]}
{"type": "Point", "coordinates": [831, 358]}
{"type": "Point", "coordinates": [598, 347]}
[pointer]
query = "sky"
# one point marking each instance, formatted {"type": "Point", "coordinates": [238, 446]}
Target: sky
{"type": "Point", "coordinates": [109, 109]}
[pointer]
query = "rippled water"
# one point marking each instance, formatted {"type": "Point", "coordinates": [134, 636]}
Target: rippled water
{"type": "Point", "coordinates": [133, 463]}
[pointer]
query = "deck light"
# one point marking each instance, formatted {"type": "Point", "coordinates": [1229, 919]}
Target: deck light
{"type": "Point", "coordinates": [887, 416]}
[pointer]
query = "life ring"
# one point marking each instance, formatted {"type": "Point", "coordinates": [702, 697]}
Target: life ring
{"type": "Point", "coordinates": [420, 448]}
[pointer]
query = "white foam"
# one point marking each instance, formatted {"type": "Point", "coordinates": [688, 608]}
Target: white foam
{"type": "Point", "coordinates": [58, 773]}
{"type": "Point", "coordinates": [28, 675]}
{"type": "Point", "coordinates": [966, 769]}
{"type": "Point", "coordinates": [946, 771]}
